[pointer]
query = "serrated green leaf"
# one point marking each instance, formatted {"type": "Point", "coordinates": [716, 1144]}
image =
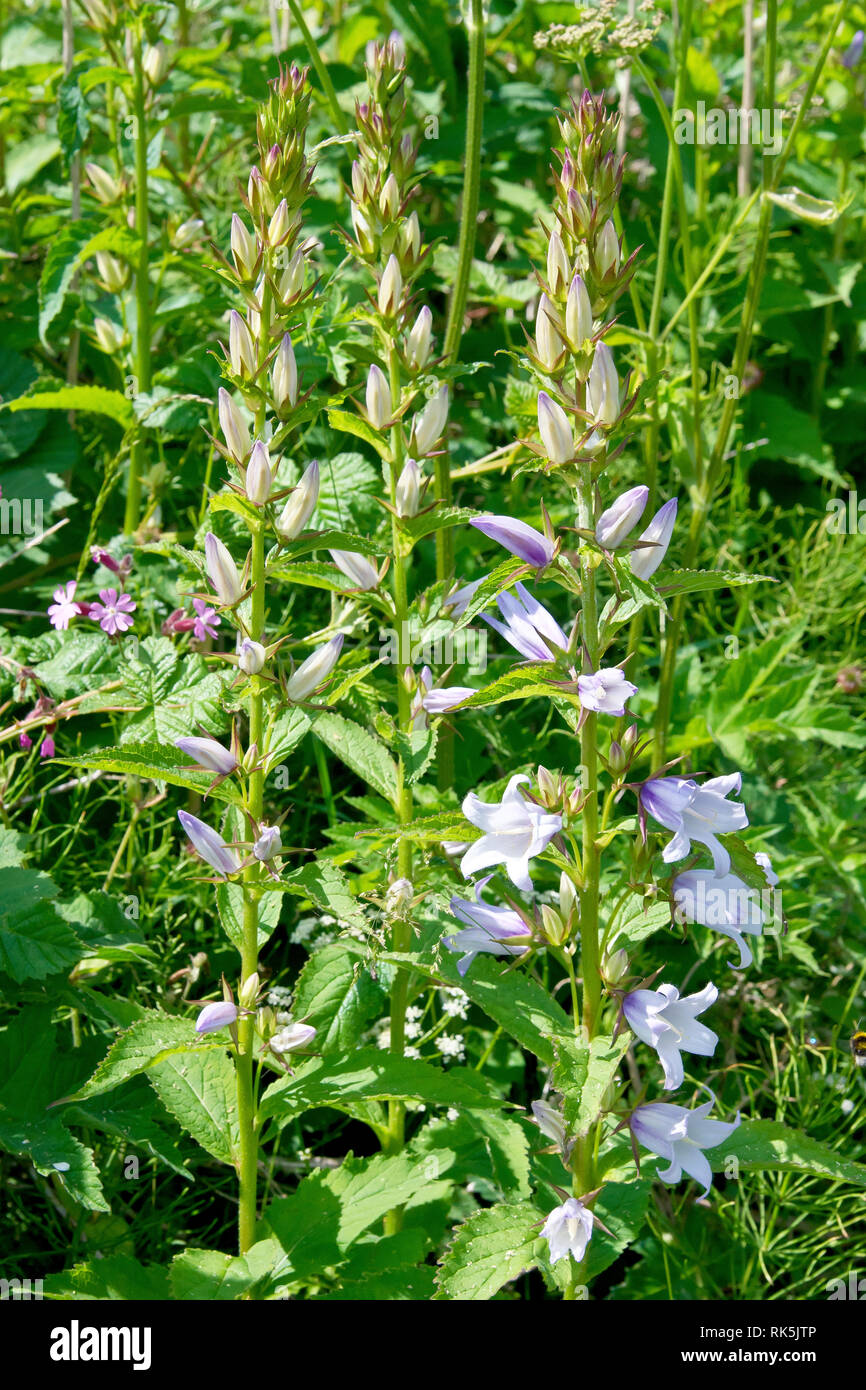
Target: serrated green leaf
{"type": "Point", "coordinates": [200, 1091]}
{"type": "Point", "coordinates": [771, 1145]}
{"type": "Point", "coordinates": [148, 1041]}
{"type": "Point", "coordinates": [337, 993]}
{"type": "Point", "coordinates": [360, 750]}
{"type": "Point", "coordinates": [493, 1247]}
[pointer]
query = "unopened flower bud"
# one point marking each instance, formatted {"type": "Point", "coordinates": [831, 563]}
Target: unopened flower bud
{"type": "Point", "coordinates": [363, 231]}
{"type": "Point", "coordinates": [408, 491]}
{"type": "Point", "coordinates": [105, 186]}
{"type": "Point", "coordinates": [242, 351]}
{"type": "Point", "coordinates": [418, 341]}
{"type": "Point", "coordinates": [268, 844]}
{"type": "Point", "coordinates": [356, 567]}
{"type": "Point", "coordinates": [113, 272]}
{"type": "Point", "coordinates": [187, 233]}
{"type": "Point", "coordinates": [555, 430]}
{"type": "Point", "coordinates": [547, 787]}
{"type": "Point", "coordinates": [249, 991]}
{"type": "Point", "coordinates": [110, 338]}
{"type": "Point", "coordinates": [234, 428]}
{"type": "Point", "coordinates": [291, 282]}
{"type": "Point", "coordinates": [216, 1016]}
{"type": "Point", "coordinates": [553, 926]}
{"type": "Point", "coordinates": [389, 199]}
{"type": "Point", "coordinates": [378, 398]}
{"type": "Point", "coordinates": [278, 227]}
{"type": "Point", "coordinates": [300, 505]}
{"type": "Point", "coordinates": [558, 268]}
{"type": "Point", "coordinates": [567, 898]}
{"type": "Point", "coordinates": [222, 570]}
{"type": "Point", "coordinates": [293, 1037]}
{"type": "Point", "coordinates": [207, 752]}
{"type": "Point", "coordinates": [429, 426]}
{"type": "Point", "coordinates": [390, 289]}
{"type": "Point", "coordinates": [316, 669]}
{"type": "Point", "coordinates": [607, 253]}
{"type": "Point", "coordinates": [409, 240]}
{"type": "Point", "coordinates": [602, 388]}
{"type": "Point", "coordinates": [578, 313]}
{"type": "Point", "coordinates": [615, 966]}
{"type": "Point", "coordinates": [155, 64]}
{"type": "Point", "coordinates": [548, 344]}
{"type": "Point", "coordinates": [284, 375]}
{"type": "Point", "coordinates": [258, 476]}
{"type": "Point", "coordinates": [244, 250]}
{"type": "Point", "coordinates": [617, 758]}
{"type": "Point", "coordinates": [621, 517]}
{"type": "Point", "coordinates": [251, 657]}
{"type": "Point", "coordinates": [398, 896]}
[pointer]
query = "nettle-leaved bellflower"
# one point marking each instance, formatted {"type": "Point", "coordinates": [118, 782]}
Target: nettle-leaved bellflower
{"type": "Point", "coordinates": [696, 813]}
{"type": "Point", "coordinates": [646, 560]}
{"type": "Point", "coordinates": [356, 567]}
{"type": "Point", "coordinates": [621, 517]}
{"type": "Point", "coordinates": [567, 1230]}
{"type": "Point", "coordinates": [515, 830]}
{"type": "Point", "coordinates": [528, 626]}
{"type": "Point", "coordinates": [208, 753]}
{"type": "Point", "coordinates": [490, 930]}
{"type": "Point", "coordinates": [680, 1136]}
{"type": "Point", "coordinates": [660, 1018]}
{"type": "Point", "coordinates": [210, 844]}
{"type": "Point", "coordinates": [725, 904]}
{"type": "Point", "coordinates": [605, 691]}
{"type": "Point", "coordinates": [213, 1017]}
{"type": "Point", "coordinates": [521, 540]}
{"type": "Point", "coordinates": [315, 670]}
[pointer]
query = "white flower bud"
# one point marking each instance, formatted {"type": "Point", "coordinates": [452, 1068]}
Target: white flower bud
{"type": "Point", "coordinates": [389, 199]}
{"type": "Point", "coordinates": [291, 281]}
{"type": "Point", "coordinates": [578, 313]}
{"type": "Point", "coordinates": [268, 844]}
{"type": "Point", "coordinates": [278, 227]}
{"type": "Point", "coordinates": [356, 567]}
{"type": "Point", "coordinates": [113, 273]}
{"type": "Point", "coordinates": [408, 492]}
{"type": "Point", "coordinates": [555, 430]}
{"type": "Point", "coordinates": [316, 669]}
{"type": "Point", "coordinates": [418, 341]}
{"type": "Point", "coordinates": [234, 428]}
{"type": "Point", "coordinates": [108, 336]}
{"type": "Point", "coordinates": [607, 254]}
{"type": "Point", "coordinates": [602, 388]}
{"type": "Point", "coordinates": [105, 185]}
{"type": "Point", "coordinates": [243, 249]}
{"type": "Point", "coordinates": [363, 231]}
{"type": "Point", "coordinates": [390, 289]}
{"type": "Point", "coordinates": [378, 398]}
{"type": "Point", "coordinates": [187, 233]}
{"type": "Point", "coordinates": [409, 240]}
{"type": "Point", "coordinates": [548, 344]}
{"type": "Point", "coordinates": [300, 505]}
{"type": "Point", "coordinates": [558, 268]}
{"type": "Point", "coordinates": [222, 570]}
{"type": "Point", "coordinates": [251, 657]}
{"type": "Point", "coordinates": [258, 476]}
{"type": "Point", "coordinates": [284, 375]}
{"type": "Point", "coordinates": [155, 64]}
{"type": "Point", "coordinates": [242, 350]}
{"type": "Point", "coordinates": [429, 426]}
{"type": "Point", "coordinates": [359, 182]}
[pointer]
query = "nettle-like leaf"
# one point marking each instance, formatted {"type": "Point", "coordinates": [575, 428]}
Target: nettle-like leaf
{"type": "Point", "coordinates": [156, 763]}
{"type": "Point", "coordinates": [337, 992]}
{"type": "Point", "coordinates": [35, 940]}
{"type": "Point", "coordinates": [148, 1041]}
{"type": "Point", "coordinates": [772, 1145]}
{"type": "Point", "coordinates": [583, 1073]}
{"type": "Point", "coordinates": [360, 750]}
{"type": "Point", "coordinates": [200, 1091]}
{"type": "Point", "coordinates": [493, 1247]}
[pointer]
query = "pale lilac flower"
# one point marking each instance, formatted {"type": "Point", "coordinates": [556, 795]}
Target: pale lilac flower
{"type": "Point", "coordinates": [251, 657]}
{"type": "Point", "coordinates": [660, 1018]}
{"type": "Point", "coordinates": [441, 700]}
{"type": "Point", "coordinates": [645, 562]}
{"type": "Point", "coordinates": [208, 753]}
{"type": "Point", "coordinates": [113, 613]}
{"type": "Point", "coordinates": [695, 813]}
{"type": "Point", "coordinates": [680, 1136]}
{"type": "Point", "coordinates": [621, 517]}
{"type": "Point", "coordinates": [492, 931]}
{"type": "Point", "coordinates": [528, 627]}
{"type": "Point", "coordinates": [854, 52]}
{"type": "Point", "coordinates": [64, 608]}
{"type": "Point", "coordinates": [567, 1230]}
{"type": "Point", "coordinates": [213, 1017]}
{"type": "Point", "coordinates": [47, 747]}
{"type": "Point", "coordinates": [521, 540]}
{"type": "Point", "coordinates": [459, 599]}
{"type": "Point", "coordinates": [605, 691]}
{"type": "Point", "coordinates": [206, 622]}
{"type": "Point", "coordinates": [209, 844]}
{"type": "Point", "coordinates": [316, 669]}
{"type": "Point", "coordinates": [269, 843]}
{"type": "Point", "coordinates": [515, 830]}
{"type": "Point", "coordinates": [726, 904]}
{"type": "Point", "coordinates": [292, 1037]}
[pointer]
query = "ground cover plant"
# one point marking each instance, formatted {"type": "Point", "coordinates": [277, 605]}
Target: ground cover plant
{"type": "Point", "coordinates": [431, 864]}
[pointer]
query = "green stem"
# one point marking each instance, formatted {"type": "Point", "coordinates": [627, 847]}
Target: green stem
{"type": "Point", "coordinates": [321, 71]}
{"type": "Point", "coordinates": [589, 948]}
{"type": "Point", "coordinates": [142, 283]}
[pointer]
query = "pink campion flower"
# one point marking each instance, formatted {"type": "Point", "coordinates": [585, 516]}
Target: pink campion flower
{"type": "Point", "coordinates": [47, 748]}
{"type": "Point", "coordinates": [25, 742]}
{"type": "Point", "coordinates": [206, 622]}
{"type": "Point", "coordinates": [113, 613]}
{"type": "Point", "coordinates": [64, 608]}
{"type": "Point", "coordinates": [104, 558]}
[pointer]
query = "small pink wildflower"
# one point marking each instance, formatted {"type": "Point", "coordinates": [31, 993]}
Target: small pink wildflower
{"type": "Point", "coordinates": [113, 613]}
{"type": "Point", "coordinates": [207, 621]}
{"type": "Point", "coordinates": [64, 606]}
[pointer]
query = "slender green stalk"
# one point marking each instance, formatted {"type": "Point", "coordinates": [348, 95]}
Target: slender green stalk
{"type": "Point", "coordinates": [589, 948]}
{"type": "Point", "coordinates": [471, 179]}
{"type": "Point", "coordinates": [321, 71]}
{"type": "Point", "coordinates": [142, 282]}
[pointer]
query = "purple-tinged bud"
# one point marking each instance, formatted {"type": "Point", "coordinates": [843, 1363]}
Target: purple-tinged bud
{"type": "Point", "coordinates": [208, 753]}
{"type": "Point", "coordinates": [521, 540]}
{"type": "Point", "coordinates": [210, 845]}
{"type": "Point", "coordinates": [222, 571]}
{"type": "Point", "coordinates": [316, 669]}
{"type": "Point", "coordinates": [213, 1017]}
{"type": "Point", "coordinates": [292, 1037]}
{"type": "Point", "coordinates": [854, 52]}
{"type": "Point", "coordinates": [268, 844]}
{"type": "Point", "coordinates": [251, 657]}
{"type": "Point", "coordinates": [258, 476]}
{"type": "Point", "coordinates": [300, 505]}
{"type": "Point", "coordinates": [555, 430]}
{"type": "Point", "coordinates": [621, 517]}
{"type": "Point", "coordinates": [645, 562]}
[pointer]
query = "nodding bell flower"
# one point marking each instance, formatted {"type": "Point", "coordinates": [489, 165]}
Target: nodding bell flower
{"type": "Point", "coordinates": [555, 430]}
{"type": "Point", "coordinates": [213, 1017]}
{"type": "Point", "coordinates": [528, 626]}
{"type": "Point", "coordinates": [605, 691]}
{"type": "Point", "coordinates": [602, 387]}
{"type": "Point", "coordinates": [268, 843]}
{"type": "Point", "coordinates": [300, 505]}
{"type": "Point", "coordinates": [621, 517]}
{"type": "Point", "coordinates": [244, 252]}
{"type": "Point", "coordinates": [210, 845]}
{"type": "Point", "coordinates": [408, 491]}
{"type": "Point", "coordinates": [106, 187]}
{"type": "Point", "coordinates": [234, 427]}
{"type": "Point", "coordinates": [680, 1136]}
{"type": "Point", "coordinates": [113, 272]}
{"type": "Point", "coordinates": [521, 540]}
{"type": "Point", "coordinates": [378, 398]}
{"type": "Point", "coordinates": [460, 598]}
{"type": "Point", "coordinates": [108, 336]}
{"type": "Point", "coordinates": [445, 698]}
{"type": "Point", "coordinates": [607, 250]}
{"type": "Point", "coordinates": [259, 477]}
{"type": "Point", "coordinates": [242, 349]}
{"type": "Point", "coordinates": [515, 830]}
{"type": "Point", "coordinates": [208, 753]}
{"type": "Point", "coordinates": [558, 267]}
{"type": "Point", "coordinates": [695, 813]}
{"type": "Point", "coordinates": [155, 64]}
{"type": "Point", "coordinates": [222, 571]}
{"type": "Point", "coordinates": [492, 931]}
{"type": "Point", "coordinates": [726, 905]}
{"type": "Point", "coordinates": [661, 1019]}
{"type": "Point", "coordinates": [315, 670]}
{"type": "Point", "coordinates": [418, 341]}
{"type": "Point", "coordinates": [549, 347]}
{"type": "Point", "coordinates": [854, 52]}
{"type": "Point", "coordinates": [429, 426]}
{"type": "Point", "coordinates": [390, 289]}
{"type": "Point", "coordinates": [645, 561]}
{"type": "Point", "coordinates": [251, 657]}
{"type": "Point", "coordinates": [356, 567]}
{"type": "Point", "coordinates": [578, 313]}
{"type": "Point", "coordinates": [567, 1230]}
{"type": "Point", "coordinates": [284, 375]}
